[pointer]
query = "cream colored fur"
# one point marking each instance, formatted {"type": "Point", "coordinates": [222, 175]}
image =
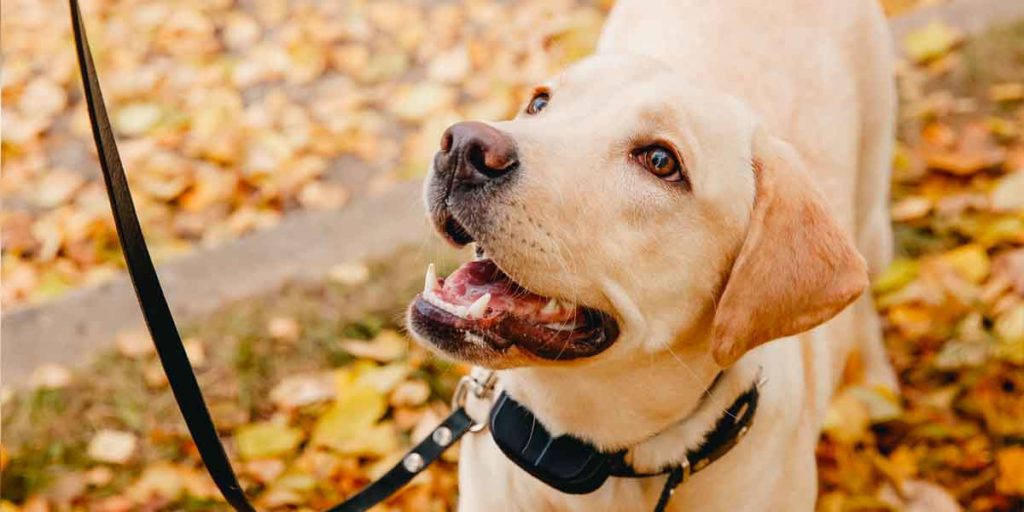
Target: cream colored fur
{"type": "Point", "coordinates": [746, 89]}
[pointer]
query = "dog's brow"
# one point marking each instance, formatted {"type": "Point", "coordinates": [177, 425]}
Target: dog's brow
{"type": "Point", "coordinates": [661, 118]}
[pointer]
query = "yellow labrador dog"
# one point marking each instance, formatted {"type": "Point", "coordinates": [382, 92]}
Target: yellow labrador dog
{"type": "Point", "coordinates": [714, 178]}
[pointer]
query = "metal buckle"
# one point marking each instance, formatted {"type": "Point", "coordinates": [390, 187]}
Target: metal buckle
{"type": "Point", "coordinates": [685, 465]}
{"type": "Point", "coordinates": [481, 383]}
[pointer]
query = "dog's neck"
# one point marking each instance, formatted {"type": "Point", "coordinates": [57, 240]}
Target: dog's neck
{"type": "Point", "coordinates": [621, 406]}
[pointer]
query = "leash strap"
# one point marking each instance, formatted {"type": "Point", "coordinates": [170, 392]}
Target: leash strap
{"type": "Point", "coordinates": [414, 462]}
{"type": "Point", "coordinates": [675, 477]}
{"type": "Point", "coordinates": [147, 286]}
{"type": "Point", "coordinates": [165, 334]}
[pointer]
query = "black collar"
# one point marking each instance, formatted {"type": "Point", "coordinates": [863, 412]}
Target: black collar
{"type": "Point", "coordinates": [574, 466]}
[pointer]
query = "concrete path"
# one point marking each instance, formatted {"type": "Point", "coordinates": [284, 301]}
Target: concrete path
{"type": "Point", "coordinates": [306, 245]}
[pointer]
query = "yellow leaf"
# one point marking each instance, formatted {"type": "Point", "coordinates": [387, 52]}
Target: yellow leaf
{"type": "Point", "coordinates": [881, 404]}
{"type": "Point", "coordinates": [1009, 325]}
{"type": "Point", "coordinates": [1010, 462]}
{"type": "Point", "coordinates": [970, 261]}
{"type": "Point", "coordinates": [266, 440]}
{"type": "Point", "coordinates": [355, 412]}
{"type": "Point", "coordinates": [161, 480]}
{"type": "Point", "coordinates": [137, 118]}
{"type": "Point", "coordinates": [1006, 92]}
{"type": "Point", "coordinates": [931, 41]}
{"type": "Point", "coordinates": [386, 347]}
{"type": "Point", "coordinates": [899, 273]}
{"type": "Point", "coordinates": [376, 441]}
{"type": "Point", "coordinates": [847, 419]}
{"type": "Point", "coordinates": [419, 102]}
{"type": "Point", "coordinates": [1005, 229]}
{"type": "Point", "coordinates": [913, 321]}
{"type": "Point", "coordinates": [290, 488]}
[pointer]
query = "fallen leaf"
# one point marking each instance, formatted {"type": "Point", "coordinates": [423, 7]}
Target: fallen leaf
{"type": "Point", "coordinates": [161, 480]}
{"type": "Point", "coordinates": [896, 276]}
{"type": "Point", "coordinates": [112, 446]}
{"type": "Point", "coordinates": [847, 419]}
{"type": "Point", "coordinates": [50, 376]}
{"type": "Point", "coordinates": [970, 261]}
{"type": "Point", "coordinates": [291, 488]}
{"type": "Point", "coordinates": [930, 41]}
{"type": "Point", "coordinates": [383, 378]}
{"type": "Point", "coordinates": [266, 440]}
{"type": "Point", "coordinates": [302, 390]}
{"type": "Point", "coordinates": [137, 118]}
{"type": "Point", "coordinates": [410, 393]}
{"type": "Point", "coordinates": [349, 418]}
{"type": "Point", "coordinates": [910, 208]}
{"type": "Point", "coordinates": [1006, 92]}
{"type": "Point", "coordinates": [1009, 326]}
{"type": "Point", "coordinates": [264, 471]}
{"type": "Point", "coordinates": [322, 196]}
{"type": "Point", "coordinates": [352, 273]}
{"type": "Point", "coordinates": [1008, 193]}
{"type": "Point", "coordinates": [975, 150]}
{"type": "Point", "coordinates": [919, 496]}
{"type": "Point", "coordinates": [284, 329]}
{"type": "Point", "coordinates": [385, 347]}
{"type": "Point", "coordinates": [1010, 463]}
{"type": "Point", "coordinates": [416, 103]}
{"type": "Point", "coordinates": [134, 344]}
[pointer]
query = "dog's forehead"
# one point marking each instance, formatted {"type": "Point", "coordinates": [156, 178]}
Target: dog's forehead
{"type": "Point", "coordinates": [638, 89]}
{"type": "Point", "coordinates": [612, 73]}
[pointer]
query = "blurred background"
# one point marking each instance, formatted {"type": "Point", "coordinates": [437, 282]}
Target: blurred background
{"type": "Point", "coordinates": [275, 148]}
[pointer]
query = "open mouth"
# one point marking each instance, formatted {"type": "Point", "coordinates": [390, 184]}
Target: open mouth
{"type": "Point", "coordinates": [479, 307]}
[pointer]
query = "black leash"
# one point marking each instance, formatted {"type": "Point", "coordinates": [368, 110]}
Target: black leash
{"type": "Point", "coordinates": [165, 335]}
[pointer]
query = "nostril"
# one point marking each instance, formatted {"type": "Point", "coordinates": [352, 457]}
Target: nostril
{"type": "Point", "coordinates": [488, 161]}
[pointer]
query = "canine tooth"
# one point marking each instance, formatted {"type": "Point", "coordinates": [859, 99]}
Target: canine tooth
{"type": "Point", "coordinates": [430, 280]}
{"type": "Point", "coordinates": [477, 309]}
{"type": "Point", "coordinates": [551, 307]}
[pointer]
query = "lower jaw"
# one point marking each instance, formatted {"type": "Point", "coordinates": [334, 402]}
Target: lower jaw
{"type": "Point", "coordinates": [488, 341]}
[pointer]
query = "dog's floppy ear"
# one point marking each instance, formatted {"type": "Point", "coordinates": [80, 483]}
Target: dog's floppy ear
{"type": "Point", "coordinates": [796, 268]}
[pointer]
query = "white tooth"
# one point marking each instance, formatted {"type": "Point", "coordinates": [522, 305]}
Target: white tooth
{"type": "Point", "coordinates": [459, 311]}
{"type": "Point", "coordinates": [475, 339]}
{"type": "Point", "coordinates": [550, 308]}
{"type": "Point", "coordinates": [562, 326]}
{"type": "Point", "coordinates": [430, 281]}
{"type": "Point", "coordinates": [477, 309]}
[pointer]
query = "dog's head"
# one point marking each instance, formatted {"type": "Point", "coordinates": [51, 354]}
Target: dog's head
{"type": "Point", "coordinates": [624, 208]}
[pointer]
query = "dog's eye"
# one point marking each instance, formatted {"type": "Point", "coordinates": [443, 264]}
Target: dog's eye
{"type": "Point", "coordinates": [661, 162]}
{"type": "Point", "coordinates": [538, 103]}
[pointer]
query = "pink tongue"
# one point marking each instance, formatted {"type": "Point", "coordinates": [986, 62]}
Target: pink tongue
{"type": "Point", "coordinates": [474, 279]}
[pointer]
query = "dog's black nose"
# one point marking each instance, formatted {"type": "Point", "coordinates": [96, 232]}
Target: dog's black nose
{"type": "Point", "coordinates": [476, 152]}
